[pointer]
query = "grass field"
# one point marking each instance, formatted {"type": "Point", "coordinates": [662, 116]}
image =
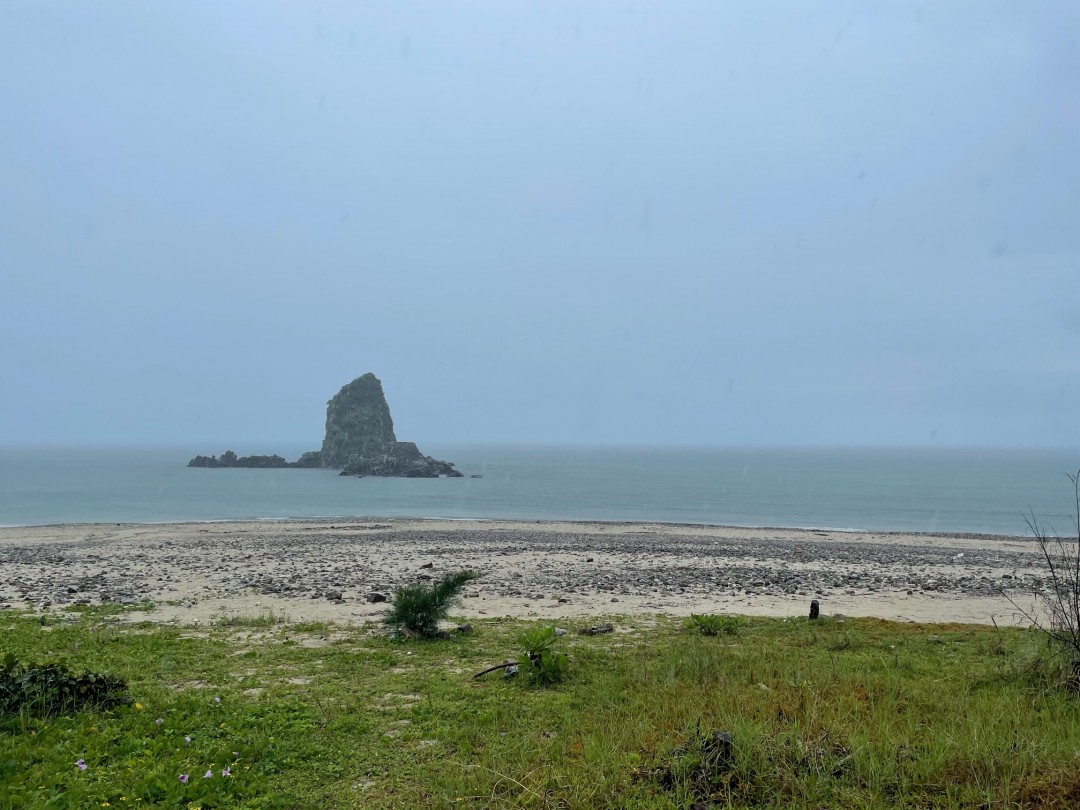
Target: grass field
{"type": "Point", "coordinates": [827, 714]}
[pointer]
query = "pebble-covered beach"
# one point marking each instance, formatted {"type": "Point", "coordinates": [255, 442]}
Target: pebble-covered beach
{"type": "Point", "coordinates": [341, 569]}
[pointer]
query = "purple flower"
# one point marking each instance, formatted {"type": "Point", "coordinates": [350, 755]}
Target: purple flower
{"type": "Point", "coordinates": [184, 778]}
{"type": "Point", "coordinates": [227, 772]}
{"type": "Point", "coordinates": [81, 764]}
{"type": "Point", "coordinates": [159, 721]}
{"type": "Point", "coordinates": [208, 774]}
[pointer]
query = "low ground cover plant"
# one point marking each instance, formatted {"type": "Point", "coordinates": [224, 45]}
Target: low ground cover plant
{"type": "Point", "coordinates": [46, 690]}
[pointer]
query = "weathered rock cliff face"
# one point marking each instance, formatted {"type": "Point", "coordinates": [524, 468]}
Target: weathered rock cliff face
{"type": "Point", "coordinates": [360, 437]}
{"type": "Point", "coordinates": [402, 459]}
{"type": "Point", "coordinates": [358, 423]}
{"type": "Point", "coordinates": [359, 440]}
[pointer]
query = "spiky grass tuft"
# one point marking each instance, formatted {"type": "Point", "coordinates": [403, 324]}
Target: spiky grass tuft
{"type": "Point", "coordinates": [418, 609]}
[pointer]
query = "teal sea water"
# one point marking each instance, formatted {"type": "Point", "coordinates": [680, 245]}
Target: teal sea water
{"type": "Point", "coordinates": [941, 490]}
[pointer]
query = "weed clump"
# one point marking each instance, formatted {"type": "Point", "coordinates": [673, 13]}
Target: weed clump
{"type": "Point", "coordinates": [47, 690]}
{"type": "Point", "coordinates": [417, 609]}
{"type": "Point", "coordinates": [264, 620]}
{"type": "Point", "coordinates": [710, 625]}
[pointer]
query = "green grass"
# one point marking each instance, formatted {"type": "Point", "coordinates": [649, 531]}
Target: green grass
{"type": "Point", "coordinates": [262, 620]}
{"type": "Point", "coordinates": [859, 714]}
{"type": "Point", "coordinates": [710, 625]}
{"type": "Point", "coordinates": [110, 608]}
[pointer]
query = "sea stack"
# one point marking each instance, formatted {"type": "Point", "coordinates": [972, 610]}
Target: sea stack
{"type": "Point", "coordinates": [360, 437]}
{"type": "Point", "coordinates": [359, 440]}
{"type": "Point", "coordinates": [358, 423]}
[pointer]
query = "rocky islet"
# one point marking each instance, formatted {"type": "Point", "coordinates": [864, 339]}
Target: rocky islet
{"type": "Point", "coordinates": [359, 440]}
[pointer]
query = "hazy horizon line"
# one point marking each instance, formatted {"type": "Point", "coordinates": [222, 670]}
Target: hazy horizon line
{"type": "Point", "coordinates": [268, 447]}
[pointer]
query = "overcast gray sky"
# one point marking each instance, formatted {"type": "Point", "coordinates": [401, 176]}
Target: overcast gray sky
{"type": "Point", "coordinates": [644, 222]}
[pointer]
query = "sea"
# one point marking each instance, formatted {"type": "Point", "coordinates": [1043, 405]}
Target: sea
{"type": "Point", "coordinates": [859, 489]}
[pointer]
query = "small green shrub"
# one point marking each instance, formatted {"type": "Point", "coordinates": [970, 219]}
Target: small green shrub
{"type": "Point", "coordinates": [417, 609]}
{"type": "Point", "coordinates": [51, 689]}
{"type": "Point", "coordinates": [545, 666]}
{"type": "Point", "coordinates": [710, 625]}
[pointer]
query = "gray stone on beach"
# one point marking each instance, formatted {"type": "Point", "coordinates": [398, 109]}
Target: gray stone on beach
{"type": "Point", "coordinates": [647, 568]}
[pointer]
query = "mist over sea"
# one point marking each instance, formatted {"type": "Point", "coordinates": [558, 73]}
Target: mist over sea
{"type": "Point", "coordinates": [940, 490]}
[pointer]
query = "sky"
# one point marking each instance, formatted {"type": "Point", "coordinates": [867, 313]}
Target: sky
{"type": "Point", "coordinates": [700, 223]}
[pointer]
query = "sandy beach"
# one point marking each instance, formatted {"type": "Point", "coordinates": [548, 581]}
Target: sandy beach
{"type": "Point", "coordinates": [328, 569]}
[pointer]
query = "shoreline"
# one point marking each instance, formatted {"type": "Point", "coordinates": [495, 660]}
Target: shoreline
{"type": "Point", "coordinates": [324, 569]}
{"type": "Point", "coordinates": [963, 535]}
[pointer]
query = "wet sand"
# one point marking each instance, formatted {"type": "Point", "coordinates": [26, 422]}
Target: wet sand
{"type": "Point", "coordinates": [326, 569]}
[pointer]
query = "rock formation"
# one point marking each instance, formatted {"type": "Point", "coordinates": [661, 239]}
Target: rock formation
{"type": "Point", "coordinates": [358, 423]}
{"type": "Point", "coordinates": [359, 440]}
{"type": "Point", "coordinates": [230, 459]}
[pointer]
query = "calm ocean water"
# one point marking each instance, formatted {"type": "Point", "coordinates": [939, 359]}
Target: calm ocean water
{"type": "Point", "coordinates": [912, 490]}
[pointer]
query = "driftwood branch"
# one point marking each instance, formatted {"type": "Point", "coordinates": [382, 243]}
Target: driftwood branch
{"type": "Point", "coordinates": [503, 665]}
